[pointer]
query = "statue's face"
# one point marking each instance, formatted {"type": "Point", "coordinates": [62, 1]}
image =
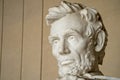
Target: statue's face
{"type": "Point", "coordinates": [69, 41]}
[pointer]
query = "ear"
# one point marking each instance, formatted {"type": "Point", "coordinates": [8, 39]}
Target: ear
{"type": "Point", "coordinates": [100, 41]}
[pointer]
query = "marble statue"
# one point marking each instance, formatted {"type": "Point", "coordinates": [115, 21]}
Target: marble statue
{"type": "Point", "coordinates": [78, 39]}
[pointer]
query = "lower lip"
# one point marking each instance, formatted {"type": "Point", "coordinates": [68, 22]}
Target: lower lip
{"type": "Point", "coordinates": [67, 62]}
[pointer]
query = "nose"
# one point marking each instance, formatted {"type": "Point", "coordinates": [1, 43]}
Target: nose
{"type": "Point", "coordinates": [63, 48]}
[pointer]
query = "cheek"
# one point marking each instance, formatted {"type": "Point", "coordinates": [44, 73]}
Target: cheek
{"type": "Point", "coordinates": [55, 50]}
{"type": "Point", "coordinates": [79, 46]}
{"type": "Point", "coordinates": [83, 45]}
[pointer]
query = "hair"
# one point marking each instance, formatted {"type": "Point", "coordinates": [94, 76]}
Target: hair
{"type": "Point", "coordinates": [91, 15]}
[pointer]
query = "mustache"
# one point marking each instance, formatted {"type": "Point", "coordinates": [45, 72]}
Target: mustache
{"type": "Point", "coordinates": [84, 64]}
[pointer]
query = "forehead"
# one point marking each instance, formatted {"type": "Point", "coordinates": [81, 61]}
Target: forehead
{"type": "Point", "coordinates": [70, 21]}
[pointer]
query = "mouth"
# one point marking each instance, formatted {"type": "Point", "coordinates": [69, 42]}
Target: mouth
{"type": "Point", "coordinates": [67, 62]}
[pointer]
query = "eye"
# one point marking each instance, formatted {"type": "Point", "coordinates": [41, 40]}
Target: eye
{"type": "Point", "coordinates": [55, 41]}
{"type": "Point", "coordinates": [71, 37]}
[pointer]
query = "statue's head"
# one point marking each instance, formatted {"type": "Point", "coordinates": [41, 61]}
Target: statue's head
{"type": "Point", "coordinates": [78, 38]}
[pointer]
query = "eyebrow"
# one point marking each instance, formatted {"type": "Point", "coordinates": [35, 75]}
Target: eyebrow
{"type": "Point", "coordinates": [53, 37]}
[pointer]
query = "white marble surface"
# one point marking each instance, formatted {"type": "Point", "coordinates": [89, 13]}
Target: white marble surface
{"type": "Point", "coordinates": [78, 39]}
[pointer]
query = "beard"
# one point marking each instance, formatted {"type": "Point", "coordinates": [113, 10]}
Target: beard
{"type": "Point", "coordinates": [86, 64]}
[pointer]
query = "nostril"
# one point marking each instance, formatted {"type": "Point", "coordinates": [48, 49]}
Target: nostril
{"type": "Point", "coordinates": [67, 51]}
{"type": "Point", "coordinates": [64, 51]}
{"type": "Point", "coordinates": [61, 52]}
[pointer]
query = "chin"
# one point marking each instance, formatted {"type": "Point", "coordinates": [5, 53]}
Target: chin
{"type": "Point", "coordinates": [70, 69]}
{"type": "Point", "coordinates": [76, 69]}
